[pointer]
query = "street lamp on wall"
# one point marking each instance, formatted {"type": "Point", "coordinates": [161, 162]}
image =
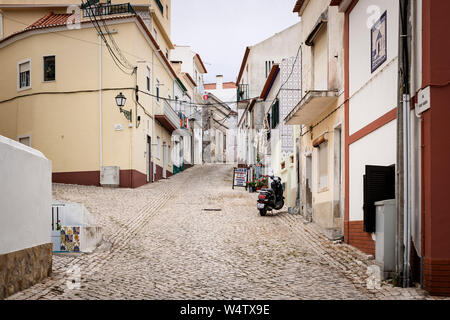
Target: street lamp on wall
{"type": "Point", "coordinates": [120, 101]}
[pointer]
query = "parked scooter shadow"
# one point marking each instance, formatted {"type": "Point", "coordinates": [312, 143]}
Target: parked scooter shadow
{"type": "Point", "coordinates": [273, 213]}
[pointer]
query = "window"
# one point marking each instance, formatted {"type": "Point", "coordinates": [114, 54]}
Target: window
{"type": "Point", "coordinates": [49, 68]}
{"type": "Point", "coordinates": [167, 54]}
{"type": "Point", "coordinates": [158, 146]}
{"type": "Point", "coordinates": [25, 140]}
{"type": "Point", "coordinates": [167, 12]}
{"type": "Point", "coordinates": [157, 90]}
{"type": "Point", "coordinates": [1, 26]}
{"type": "Point", "coordinates": [25, 75]}
{"type": "Point", "coordinates": [160, 6]}
{"type": "Point", "coordinates": [269, 65]}
{"type": "Point", "coordinates": [155, 33]}
{"type": "Point", "coordinates": [320, 60]}
{"type": "Point", "coordinates": [148, 79]}
{"type": "Point", "coordinates": [323, 165]}
{"type": "Point", "coordinates": [169, 155]}
{"type": "Point", "coordinates": [177, 108]}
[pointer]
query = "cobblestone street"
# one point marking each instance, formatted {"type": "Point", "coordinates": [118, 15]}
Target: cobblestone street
{"type": "Point", "coordinates": [161, 243]}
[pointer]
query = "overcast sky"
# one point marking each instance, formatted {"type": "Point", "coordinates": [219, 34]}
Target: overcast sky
{"type": "Point", "coordinates": [219, 30]}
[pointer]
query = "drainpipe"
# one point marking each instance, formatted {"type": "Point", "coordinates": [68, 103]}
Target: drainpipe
{"type": "Point", "coordinates": [403, 194]}
{"type": "Point", "coordinates": [100, 112]}
{"type": "Point", "coordinates": [153, 127]}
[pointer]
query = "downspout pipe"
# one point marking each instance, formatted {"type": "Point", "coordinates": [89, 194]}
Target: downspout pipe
{"type": "Point", "coordinates": [100, 111]}
{"type": "Point", "coordinates": [403, 146]}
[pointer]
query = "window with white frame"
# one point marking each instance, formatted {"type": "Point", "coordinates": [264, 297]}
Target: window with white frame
{"type": "Point", "coordinates": [24, 75]}
{"type": "Point", "coordinates": [323, 165]}
{"type": "Point", "coordinates": [148, 77]}
{"type": "Point", "coordinates": [49, 68]}
{"type": "Point", "coordinates": [158, 147]}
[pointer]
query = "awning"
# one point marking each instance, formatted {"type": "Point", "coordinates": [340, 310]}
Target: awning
{"type": "Point", "coordinates": [313, 104]}
{"type": "Point", "coordinates": [323, 19]}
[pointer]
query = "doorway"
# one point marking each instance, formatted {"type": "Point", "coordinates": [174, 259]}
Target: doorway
{"type": "Point", "coordinates": [164, 169]}
{"type": "Point", "coordinates": [308, 188]}
{"type": "Point", "coordinates": [337, 164]}
{"type": "Point", "coordinates": [149, 158]}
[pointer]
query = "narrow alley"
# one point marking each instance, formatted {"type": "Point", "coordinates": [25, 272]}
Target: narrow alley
{"type": "Point", "coordinates": [193, 237]}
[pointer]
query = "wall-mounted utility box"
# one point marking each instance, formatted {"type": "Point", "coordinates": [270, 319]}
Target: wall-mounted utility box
{"type": "Point", "coordinates": [386, 227]}
{"type": "Point", "coordinates": [110, 176]}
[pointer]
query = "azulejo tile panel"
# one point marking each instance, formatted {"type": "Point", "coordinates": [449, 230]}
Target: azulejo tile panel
{"type": "Point", "coordinates": [70, 239]}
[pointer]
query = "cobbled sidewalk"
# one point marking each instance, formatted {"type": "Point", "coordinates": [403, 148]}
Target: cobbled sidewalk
{"type": "Point", "coordinates": [193, 237]}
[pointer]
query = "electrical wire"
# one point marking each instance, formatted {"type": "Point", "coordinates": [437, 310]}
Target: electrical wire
{"type": "Point", "coordinates": [7, 17]}
{"type": "Point", "coordinates": [98, 28]}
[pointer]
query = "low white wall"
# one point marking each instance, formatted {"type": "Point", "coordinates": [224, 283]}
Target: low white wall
{"type": "Point", "coordinates": [25, 197]}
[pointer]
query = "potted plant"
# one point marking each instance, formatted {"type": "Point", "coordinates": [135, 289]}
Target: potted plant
{"type": "Point", "coordinates": [251, 186]}
{"type": "Point", "coordinates": [265, 183]}
{"type": "Point", "coordinates": [258, 184]}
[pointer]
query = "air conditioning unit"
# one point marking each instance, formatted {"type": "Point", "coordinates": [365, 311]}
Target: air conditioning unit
{"type": "Point", "coordinates": [110, 176]}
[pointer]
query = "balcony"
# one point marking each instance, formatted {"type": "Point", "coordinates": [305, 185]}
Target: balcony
{"type": "Point", "coordinates": [169, 119]}
{"type": "Point", "coordinates": [242, 92]}
{"type": "Point", "coordinates": [102, 9]}
{"type": "Point", "coordinates": [312, 105]}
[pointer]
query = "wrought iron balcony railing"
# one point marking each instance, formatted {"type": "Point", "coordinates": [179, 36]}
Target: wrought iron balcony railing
{"type": "Point", "coordinates": [107, 9]}
{"type": "Point", "coordinates": [242, 92]}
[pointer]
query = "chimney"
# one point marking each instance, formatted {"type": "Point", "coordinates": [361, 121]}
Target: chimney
{"type": "Point", "coordinates": [219, 82]}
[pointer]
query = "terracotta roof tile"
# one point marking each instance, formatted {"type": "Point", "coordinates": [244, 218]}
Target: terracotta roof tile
{"type": "Point", "coordinates": [50, 20]}
{"type": "Point", "coordinates": [226, 85]}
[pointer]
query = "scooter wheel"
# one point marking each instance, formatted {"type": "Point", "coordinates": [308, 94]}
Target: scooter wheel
{"type": "Point", "coordinates": [263, 212]}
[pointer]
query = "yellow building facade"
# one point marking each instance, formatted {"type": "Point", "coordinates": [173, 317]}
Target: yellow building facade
{"type": "Point", "coordinates": [72, 116]}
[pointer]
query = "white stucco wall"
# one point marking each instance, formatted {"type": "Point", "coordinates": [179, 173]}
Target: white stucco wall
{"type": "Point", "coordinates": [281, 45]}
{"type": "Point", "coordinates": [379, 149]}
{"type": "Point", "coordinates": [25, 197]}
{"type": "Point", "coordinates": [371, 94]}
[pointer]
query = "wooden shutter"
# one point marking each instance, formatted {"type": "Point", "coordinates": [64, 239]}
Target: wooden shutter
{"type": "Point", "coordinates": [275, 114]}
{"type": "Point", "coordinates": [379, 184]}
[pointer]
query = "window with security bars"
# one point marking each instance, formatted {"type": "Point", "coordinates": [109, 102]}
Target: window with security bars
{"type": "Point", "coordinates": [275, 114]}
{"type": "Point", "coordinates": [25, 75]}
{"type": "Point", "coordinates": [269, 65]}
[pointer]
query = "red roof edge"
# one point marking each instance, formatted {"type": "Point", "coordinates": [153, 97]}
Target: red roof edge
{"type": "Point", "coordinates": [190, 78]}
{"type": "Point", "coordinates": [201, 62]}
{"type": "Point", "coordinates": [244, 61]}
{"type": "Point", "coordinates": [269, 82]}
{"type": "Point", "coordinates": [298, 5]}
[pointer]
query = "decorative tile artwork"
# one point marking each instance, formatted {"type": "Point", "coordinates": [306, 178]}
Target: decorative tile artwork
{"type": "Point", "coordinates": [70, 239]}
